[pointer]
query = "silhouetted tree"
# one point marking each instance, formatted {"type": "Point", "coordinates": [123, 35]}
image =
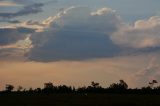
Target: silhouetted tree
{"type": "Point", "coordinates": [24, 90]}
{"type": "Point", "coordinates": [152, 83]}
{"type": "Point", "coordinates": [122, 85]}
{"type": "Point", "coordinates": [148, 88]}
{"type": "Point", "coordinates": [64, 89]}
{"type": "Point", "coordinates": [48, 87]}
{"type": "Point", "coordinates": [95, 84]}
{"type": "Point", "coordinates": [95, 87]}
{"type": "Point", "coordinates": [20, 88]}
{"type": "Point", "coordinates": [38, 90]}
{"type": "Point", "coordinates": [31, 90]}
{"type": "Point", "coordinates": [9, 88]}
{"type": "Point", "coordinates": [82, 89]}
{"type": "Point", "coordinates": [157, 88]}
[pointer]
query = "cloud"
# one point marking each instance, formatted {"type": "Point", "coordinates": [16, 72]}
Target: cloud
{"type": "Point", "coordinates": [25, 2]}
{"type": "Point", "coordinates": [30, 25]}
{"type": "Point", "coordinates": [102, 11]}
{"type": "Point", "coordinates": [31, 9]}
{"type": "Point", "coordinates": [76, 34]}
{"type": "Point", "coordinates": [7, 4]}
{"type": "Point", "coordinates": [144, 34]}
{"type": "Point", "coordinates": [27, 7]}
{"type": "Point", "coordinates": [26, 10]}
{"type": "Point", "coordinates": [13, 21]}
{"type": "Point", "coordinates": [29, 2]}
{"type": "Point", "coordinates": [10, 35]}
{"type": "Point", "coordinates": [15, 43]}
{"type": "Point", "coordinates": [55, 45]}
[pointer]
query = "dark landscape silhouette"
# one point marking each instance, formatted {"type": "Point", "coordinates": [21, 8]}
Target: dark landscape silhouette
{"type": "Point", "coordinates": [93, 95]}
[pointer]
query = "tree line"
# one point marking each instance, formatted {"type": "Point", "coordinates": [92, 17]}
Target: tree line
{"type": "Point", "coordinates": [94, 87]}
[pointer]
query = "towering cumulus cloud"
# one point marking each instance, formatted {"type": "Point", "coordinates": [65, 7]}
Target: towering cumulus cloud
{"type": "Point", "coordinates": [77, 34]}
{"type": "Point", "coordinates": [77, 42]}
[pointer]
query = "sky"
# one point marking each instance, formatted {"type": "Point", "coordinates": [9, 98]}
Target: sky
{"type": "Point", "coordinates": [74, 42]}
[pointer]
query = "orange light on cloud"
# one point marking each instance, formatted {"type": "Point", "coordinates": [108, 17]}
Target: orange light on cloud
{"type": "Point", "coordinates": [7, 3]}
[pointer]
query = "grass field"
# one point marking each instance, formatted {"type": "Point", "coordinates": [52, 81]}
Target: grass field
{"type": "Point", "coordinates": [79, 99]}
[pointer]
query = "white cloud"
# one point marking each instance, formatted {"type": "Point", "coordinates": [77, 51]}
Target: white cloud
{"type": "Point", "coordinates": [144, 33]}
{"type": "Point", "coordinates": [103, 11]}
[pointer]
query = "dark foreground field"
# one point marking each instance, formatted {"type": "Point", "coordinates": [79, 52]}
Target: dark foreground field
{"type": "Point", "coordinates": [15, 99]}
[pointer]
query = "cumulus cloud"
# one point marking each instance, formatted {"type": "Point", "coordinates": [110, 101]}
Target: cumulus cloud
{"type": "Point", "coordinates": [78, 33]}
{"type": "Point", "coordinates": [144, 34]}
{"type": "Point", "coordinates": [75, 34]}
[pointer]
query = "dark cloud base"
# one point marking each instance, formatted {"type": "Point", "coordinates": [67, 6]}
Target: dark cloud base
{"type": "Point", "coordinates": [66, 46]}
{"type": "Point", "coordinates": [69, 37]}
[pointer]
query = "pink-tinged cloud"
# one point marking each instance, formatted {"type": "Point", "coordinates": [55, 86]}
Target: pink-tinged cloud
{"type": "Point", "coordinates": [8, 4]}
{"type": "Point", "coordinates": [144, 34]}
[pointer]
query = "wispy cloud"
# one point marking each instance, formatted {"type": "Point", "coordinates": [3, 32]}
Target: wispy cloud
{"type": "Point", "coordinates": [8, 4]}
{"type": "Point", "coordinates": [26, 10]}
